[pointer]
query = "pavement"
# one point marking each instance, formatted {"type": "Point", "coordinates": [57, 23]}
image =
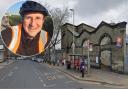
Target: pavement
{"type": "Point", "coordinates": [103, 77]}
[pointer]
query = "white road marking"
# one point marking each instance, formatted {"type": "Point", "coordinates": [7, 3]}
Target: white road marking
{"type": "Point", "coordinates": [10, 74]}
{"type": "Point", "coordinates": [39, 78]}
{"type": "Point", "coordinates": [3, 78]}
{"type": "Point", "coordinates": [44, 85]}
{"type": "Point", "coordinates": [68, 81]}
{"type": "Point", "coordinates": [61, 76]}
{"type": "Point", "coordinates": [45, 74]}
{"type": "Point", "coordinates": [42, 81]}
{"type": "Point", "coordinates": [51, 77]}
{"type": "Point", "coordinates": [81, 88]}
{"type": "Point", "coordinates": [52, 85]}
{"type": "Point", "coordinates": [15, 68]}
{"type": "Point", "coordinates": [54, 73]}
{"type": "Point", "coordinates": [38, 74]}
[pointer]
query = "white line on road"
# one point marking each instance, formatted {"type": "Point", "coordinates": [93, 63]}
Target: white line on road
{"type": "Point", "coordinates": [10, 74]}
{"type": "Point", "coordinates": [68, 81]}
{"type": "Point", "coordinates": [38, 74]}
{"type": "Point", "coordinates": [44, 85]}
{"type": "Point", "coordinates": [15, 68]}
{"type": "Point", "coordinates": [52, 85]}
{"type": "Point", "coordinates": [45, 74]}
{"type": "Point", "coordinates": [42, 81]}
{"type": "Point", "coordinates": [51, 77]}
{"type": "Point", "coordinates": [60, 76]}
{"type": "Point", "coordinates": [39, 78]}
{"type": "Point", "coordinates": [3, 78]}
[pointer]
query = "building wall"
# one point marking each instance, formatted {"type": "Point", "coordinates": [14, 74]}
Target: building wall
{"type": "Point", "coordinates": [126, 59]}
{"type": "Point", "coordinates": [110, 56]}
{"type": "Point", "coordinates": [1, 51]}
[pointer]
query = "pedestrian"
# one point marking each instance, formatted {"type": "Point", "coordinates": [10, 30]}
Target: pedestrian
{"type": "Point", "coordinates": [58, 62]}
{"type": "Point", "coordinates": [63, 62]}
{"type": "Point", "coordinates": [82, 68]}
{"type": "Point", "coordinates": [28, 38]}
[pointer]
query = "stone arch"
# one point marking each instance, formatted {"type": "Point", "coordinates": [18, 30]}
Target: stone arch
{"type": "Point", "coordinates": [104, 36]}
{"type": "Point", "coordinates": [105, 51]}
{"type": "Point", "coordinates": [84, 46]}
{"type": "Point", "coordinates": [83, 42]}
{"type": "Point", "coordinates": [71, 44]}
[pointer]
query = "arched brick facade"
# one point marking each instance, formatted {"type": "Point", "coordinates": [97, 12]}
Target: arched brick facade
{"type": "Point", "coordinates": [85, 32]}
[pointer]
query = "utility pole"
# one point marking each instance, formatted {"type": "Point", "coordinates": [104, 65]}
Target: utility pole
{"type": "Point", "coordinates": [88, 57]}
{"type": "Point", "coordinates": [73, 44]}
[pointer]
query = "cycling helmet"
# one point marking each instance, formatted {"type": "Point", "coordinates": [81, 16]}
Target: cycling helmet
{"type": "Point", "coordinates": [31, 6]}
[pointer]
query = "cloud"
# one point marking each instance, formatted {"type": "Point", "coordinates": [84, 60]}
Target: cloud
{"type": "Point", "coordinates": [5, 5]}
{"type": "Point", "coordinates": [92, 7]}
{"type": "Point", "coordinates": [59, 3]}
{"type": "Point", "coordinates": [92, 12]}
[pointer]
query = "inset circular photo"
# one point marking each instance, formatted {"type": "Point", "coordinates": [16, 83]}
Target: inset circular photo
{"type": "Point", "coordinates": [27, 28]}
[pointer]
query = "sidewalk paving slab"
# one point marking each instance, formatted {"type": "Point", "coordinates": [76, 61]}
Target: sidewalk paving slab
{"type": "Point", "coordinates": [103, 77]}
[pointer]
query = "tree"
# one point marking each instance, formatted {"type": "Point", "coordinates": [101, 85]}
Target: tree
{"type": "Point", "coordinates": [59, 17]}
{"type": "Point", "coordinates": [14, 19]}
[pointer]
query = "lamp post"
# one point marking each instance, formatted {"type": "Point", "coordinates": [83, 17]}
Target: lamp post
{"type": "Point", "coordinates": [88, 45]}
{"type": "Point", "coordinates": [73, 45]}
{"type": "Point", "coordinates": [88, 42]}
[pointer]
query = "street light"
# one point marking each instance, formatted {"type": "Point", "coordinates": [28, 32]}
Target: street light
{"type": "Point", "coordinates": [88, 45]}
{"type": "Point", "coordinates": [73, 45]}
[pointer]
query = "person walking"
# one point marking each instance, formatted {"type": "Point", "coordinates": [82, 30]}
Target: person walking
{"type": "Point", "coordinates": [82, 68]}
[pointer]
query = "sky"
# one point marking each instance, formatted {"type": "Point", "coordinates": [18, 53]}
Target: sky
{"type": "Point", "coordinates": [91, 12]}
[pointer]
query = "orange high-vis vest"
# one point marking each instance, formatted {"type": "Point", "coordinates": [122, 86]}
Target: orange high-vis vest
{"type": "Point", "coordinates": [16, 36]}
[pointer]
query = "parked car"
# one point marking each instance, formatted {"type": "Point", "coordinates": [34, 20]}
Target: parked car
{"type": "Point", "coordinates": [39, 60]}
{"type": "Point", "coordinates": [33, 58]}
{"type": "Point", "coordinates": [19, 58]}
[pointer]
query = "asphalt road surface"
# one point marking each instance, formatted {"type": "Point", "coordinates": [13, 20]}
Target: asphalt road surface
{"type": "Point", "coordinates": [30, 74]}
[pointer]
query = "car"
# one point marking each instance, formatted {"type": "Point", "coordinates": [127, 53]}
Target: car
{"type": "Point", "coordinates": [19, 58]}
{"type": "Point", "coordinates": [33, 58]}
{"type": "Point", "coordinates": [39, 60]}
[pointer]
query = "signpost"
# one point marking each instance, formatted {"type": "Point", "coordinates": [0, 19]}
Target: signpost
{"type": "Point", "coordinates": [88, 45]}
{"type": "Point", "coordinates": [119, 42]}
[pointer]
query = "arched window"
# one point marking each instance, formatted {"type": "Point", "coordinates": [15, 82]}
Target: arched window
{"type": "Point", "coordinates": [105, 39]}
{"type": "Point", "coordinates": [73, 45]}
{"type": "Point", "coordinates": [85, 43]}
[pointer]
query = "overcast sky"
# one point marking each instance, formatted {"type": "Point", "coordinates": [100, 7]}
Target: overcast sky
{"type": "Point", "coordinates": [91, 12]}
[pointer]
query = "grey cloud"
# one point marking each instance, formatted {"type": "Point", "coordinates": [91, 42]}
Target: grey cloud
{"type": "Point", "coordinates": [92, 7]}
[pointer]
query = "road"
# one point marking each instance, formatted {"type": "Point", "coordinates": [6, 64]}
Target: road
{"type": "Point", "coordinates": [30, 74]}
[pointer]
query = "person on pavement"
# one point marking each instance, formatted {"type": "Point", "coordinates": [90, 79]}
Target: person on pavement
{"type": "Point", "coordinates": [82, 67]}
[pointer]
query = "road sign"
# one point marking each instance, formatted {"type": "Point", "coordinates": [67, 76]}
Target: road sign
{"type": "Point", "coordinates": [119, 42]}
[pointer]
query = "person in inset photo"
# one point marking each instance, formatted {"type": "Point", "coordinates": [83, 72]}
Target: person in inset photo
{"type": "Point", "coordinates": [29, 37]}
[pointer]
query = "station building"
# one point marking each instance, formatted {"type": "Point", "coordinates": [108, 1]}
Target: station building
{"type": "Point", "coordinates": [105, 45]}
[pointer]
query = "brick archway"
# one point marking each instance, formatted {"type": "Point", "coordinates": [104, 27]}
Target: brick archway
{"type": "Point", "coordinates": [105, 51]}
